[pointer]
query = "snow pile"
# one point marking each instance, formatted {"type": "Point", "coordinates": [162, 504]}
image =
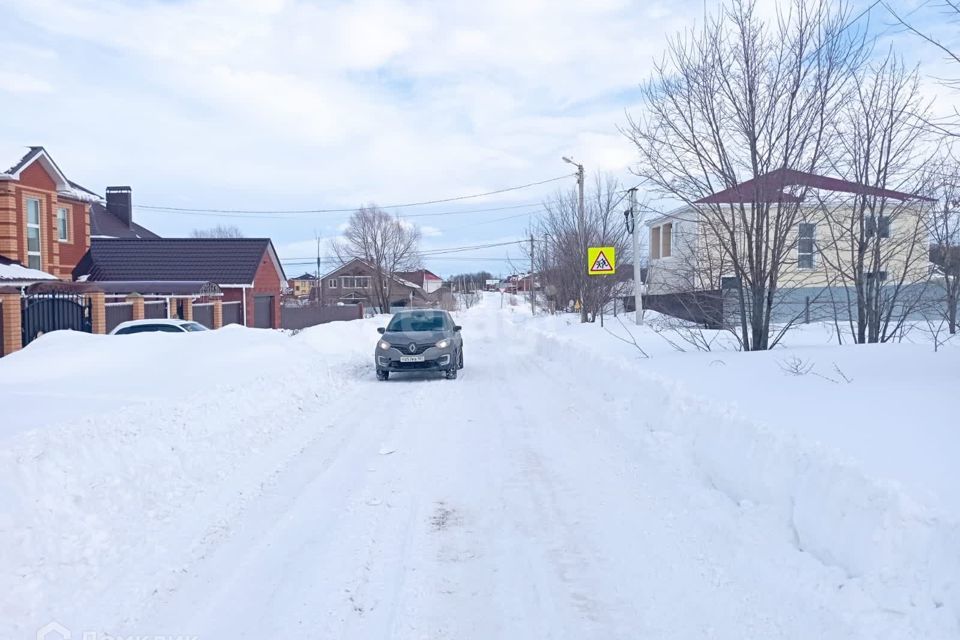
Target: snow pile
{"type": "Point", "coordinates": [904, 554]}
{"type": "Point", "coordinates": [152, 442]}
{"type": "Point", "coordinates": [19, 273]}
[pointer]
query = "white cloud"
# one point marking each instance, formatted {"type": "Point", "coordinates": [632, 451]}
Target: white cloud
{"type": "Point", "coordinates": [16, 82]}
{"type": "Point", "coordinates": [428, 231]}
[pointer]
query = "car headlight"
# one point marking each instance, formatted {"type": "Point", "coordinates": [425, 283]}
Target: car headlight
{"type": "Point", "coordinates": [384, 345]}
{"type": "Point", "coordinates": [443, 344]}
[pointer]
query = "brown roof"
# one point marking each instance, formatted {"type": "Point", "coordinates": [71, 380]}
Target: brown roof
{"type": "Point", "coordinates": [224, 261]}
{"type": "Point", "coordinates": [769, 188]}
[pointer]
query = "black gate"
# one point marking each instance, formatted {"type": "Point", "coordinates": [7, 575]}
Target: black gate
{"type": "Point", "coordinates": [44, 312]}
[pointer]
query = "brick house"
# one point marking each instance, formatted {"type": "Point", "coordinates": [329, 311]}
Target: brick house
{"type": "Point", "coordinates": [246, 269]}
{"type": "Point", "coordinates": [46, 220]}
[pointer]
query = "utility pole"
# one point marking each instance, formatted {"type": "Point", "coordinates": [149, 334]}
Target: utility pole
{"type": "Point", "coordinates": [637, 285]}
{"type": "Point", "coordinates": [581, 235]}
{"type": "Point", "coordinates": [533, 293]}
{"type": "Point", "coordinates": [319, 284]}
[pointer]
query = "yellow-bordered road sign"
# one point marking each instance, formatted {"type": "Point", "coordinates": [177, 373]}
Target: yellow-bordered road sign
{"type": "Point", "coordinates": [601, 261]}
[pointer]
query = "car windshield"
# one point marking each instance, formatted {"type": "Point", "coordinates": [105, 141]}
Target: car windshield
{"type": "Point", "coordinates": [194, 326]}
{"type": "Point", "coordinates": [150, 328]}
{"type": "Point", "coordinates": [425, 321]}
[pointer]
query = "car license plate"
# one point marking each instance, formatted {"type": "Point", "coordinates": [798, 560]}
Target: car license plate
{"type": "Point", "coordinates": [411, 358]}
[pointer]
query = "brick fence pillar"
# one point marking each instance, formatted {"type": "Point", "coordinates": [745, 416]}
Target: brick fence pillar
{"type": "Point", "coordinates": [187, 309]}
{"type": "Point", "coordinates": [136, 301]}
{"type": "Point", "coordinates": [12, 336]}
{"type": "Point", "coordinates": [98, 312]}
{"type": "Point", "coordinates": [217, 313]}
{"type": "Point", "coordinates": [172, 308]}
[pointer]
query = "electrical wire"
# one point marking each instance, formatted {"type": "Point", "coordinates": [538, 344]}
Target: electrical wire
{"type": "Point", "coordinates": [352, 209]}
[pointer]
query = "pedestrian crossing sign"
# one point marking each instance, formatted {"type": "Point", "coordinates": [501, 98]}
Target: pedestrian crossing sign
{"type": "Point", "coordinates": [601, 261]}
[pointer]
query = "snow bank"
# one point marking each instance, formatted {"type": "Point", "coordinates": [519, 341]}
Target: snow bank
{"type": "Point", "coordinates": [138, 454]}
{"type": "Point", "coordinates": [903, 554]}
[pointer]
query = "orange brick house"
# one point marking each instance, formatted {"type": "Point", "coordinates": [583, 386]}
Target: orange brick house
{"type": "Point", "coordinates": [46, 220]}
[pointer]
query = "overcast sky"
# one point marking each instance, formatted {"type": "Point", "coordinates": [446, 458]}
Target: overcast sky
{"type": "Point", "coordinates": [284, 104]}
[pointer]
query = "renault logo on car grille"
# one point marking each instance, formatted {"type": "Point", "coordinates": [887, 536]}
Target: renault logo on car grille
{"type": "Point", "coordinates": [412, 348]}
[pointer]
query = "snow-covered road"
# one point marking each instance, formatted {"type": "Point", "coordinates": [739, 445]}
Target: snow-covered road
{"type": "Point", "coordinates": [520, 501]}
{"type": "Point", "coordinates": [538, 496]}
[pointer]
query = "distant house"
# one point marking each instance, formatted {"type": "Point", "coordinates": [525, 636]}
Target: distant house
{"type": "Point", "coordinates": [247, 270]}
{"type": "Point", "coordinates": [46, 220]}
{"type": "Point", "coordinates": [352, 283]}
{"type": "Point", "coordinates": [301, 286]}
{"type": "Point", "coordinates": [427, 280]}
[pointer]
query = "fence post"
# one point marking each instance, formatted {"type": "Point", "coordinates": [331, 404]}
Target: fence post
{"type": "Point", "coordinates": [98, 312]}
{"type": "Point", "coordinates": [12, 335]}
{"type": "Point", "coordinates": [187, 309]}
{"type": "Point", "coordinates": [217, 313]}
{"type": "Point", "coordinates": [806, 312]}
{"type": "Point", "coordinates": [136, 301]}
{"type": "Point", "coordinates": [172, 308]}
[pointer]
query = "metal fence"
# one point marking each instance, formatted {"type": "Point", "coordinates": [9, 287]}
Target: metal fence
{"type": "Point", "coordinates": [154, 309]}
{"type": "Point", "coordinates": [232, 313]}
{"type": "Point", "coordinates": [203, 313]}
{"type": "Point", "coordinates": [303, 317]}
{"type": "Point", "coordinates": [117, 312]}
{"type": "Point", "coordinates": [44, 312]}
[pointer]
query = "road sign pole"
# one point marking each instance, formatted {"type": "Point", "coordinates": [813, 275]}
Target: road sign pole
{"type": "Point", "coordinates": [637, 284]}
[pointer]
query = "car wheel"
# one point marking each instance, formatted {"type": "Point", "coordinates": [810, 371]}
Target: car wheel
{"type": "Point", "coordinates": [383, 375]}
{"type": "Point", "coordinates": [452, 373]}
{"type": "Point", "coordinates": [460, 360]}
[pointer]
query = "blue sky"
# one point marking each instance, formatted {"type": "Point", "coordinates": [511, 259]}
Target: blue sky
{"type": "Point", "coordinates": [284, 104]}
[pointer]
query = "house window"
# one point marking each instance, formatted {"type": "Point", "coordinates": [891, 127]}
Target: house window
{"type": "Point", "coordinates": [805, 237]}
{"type": "Point", "coordinates": [655, 243]}
{"type": "Point", "coordinates": [63, 224]}
{"type": "Point", "coordinates": [34, 255]}
{"type": "Point", "coordinates": [666, 240]}
{"type": "Point", "coordinates": [873, 275]}
{"type": "Point", "coordinates": [347, 282]}
{"type": "Point", "coordinates": [362, 282]}
{"type": "Point", "coordinates": [332, 283]}
{"type": "Point", "coordinates": [872, 227]}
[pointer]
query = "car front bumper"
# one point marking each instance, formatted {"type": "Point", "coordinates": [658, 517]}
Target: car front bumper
{"type": "Point", "coordinates": [434, 359]}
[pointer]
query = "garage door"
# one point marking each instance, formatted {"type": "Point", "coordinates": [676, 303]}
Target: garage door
{"type": "Point", "coordinates": [263, 311]}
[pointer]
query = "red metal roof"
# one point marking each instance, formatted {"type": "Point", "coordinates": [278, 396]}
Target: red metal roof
{"type": "Point", "coordinates": [769, 188]}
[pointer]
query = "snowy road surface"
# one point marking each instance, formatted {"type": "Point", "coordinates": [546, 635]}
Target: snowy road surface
{"type": "Point", "coordinates": [528, 499]}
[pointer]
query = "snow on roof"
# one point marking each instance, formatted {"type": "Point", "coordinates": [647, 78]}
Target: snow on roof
{"type": "Point", "coordinates": [19, 273]}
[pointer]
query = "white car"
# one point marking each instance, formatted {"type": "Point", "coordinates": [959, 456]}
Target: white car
{"type": "Point", "coordinates": [158, 325]}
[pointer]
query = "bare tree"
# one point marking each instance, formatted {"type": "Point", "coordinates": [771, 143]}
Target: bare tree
{"type": "Point", "coordinates": [743, 100]}
{"type": "Point", "coordinates": [875, 237]}
{"type": "Point", "coordinates": [943, 15]}
{"type": "Point", "coordinates": [219, 231]}
{"type": "Point", "coordinates": [943, 227]}
{"type": "Point", "coordinates": [389, 245]}
{"type": "Point", "coordinates": [561, 256]}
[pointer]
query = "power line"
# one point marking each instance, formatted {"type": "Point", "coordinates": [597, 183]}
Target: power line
{"type": "Point", "coordinates": [240, 216]}
{"type": "Point", "coordinates": [352, 209]}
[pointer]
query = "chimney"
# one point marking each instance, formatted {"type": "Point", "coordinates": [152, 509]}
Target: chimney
{"type": "Point", "coordinates": [120, 204]}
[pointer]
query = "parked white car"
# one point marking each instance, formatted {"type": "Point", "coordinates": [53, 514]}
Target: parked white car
{"type": "Point", "coordinates": [157, 326]}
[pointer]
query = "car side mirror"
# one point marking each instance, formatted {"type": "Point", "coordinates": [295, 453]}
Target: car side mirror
{"type": "Point", "coordinates": [457, 327]}
{"type": "Point", "coordinates": [381, 330]}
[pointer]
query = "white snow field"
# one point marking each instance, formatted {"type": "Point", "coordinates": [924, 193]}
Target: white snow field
{"type": "Point", "coordinates": [251, 484]}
